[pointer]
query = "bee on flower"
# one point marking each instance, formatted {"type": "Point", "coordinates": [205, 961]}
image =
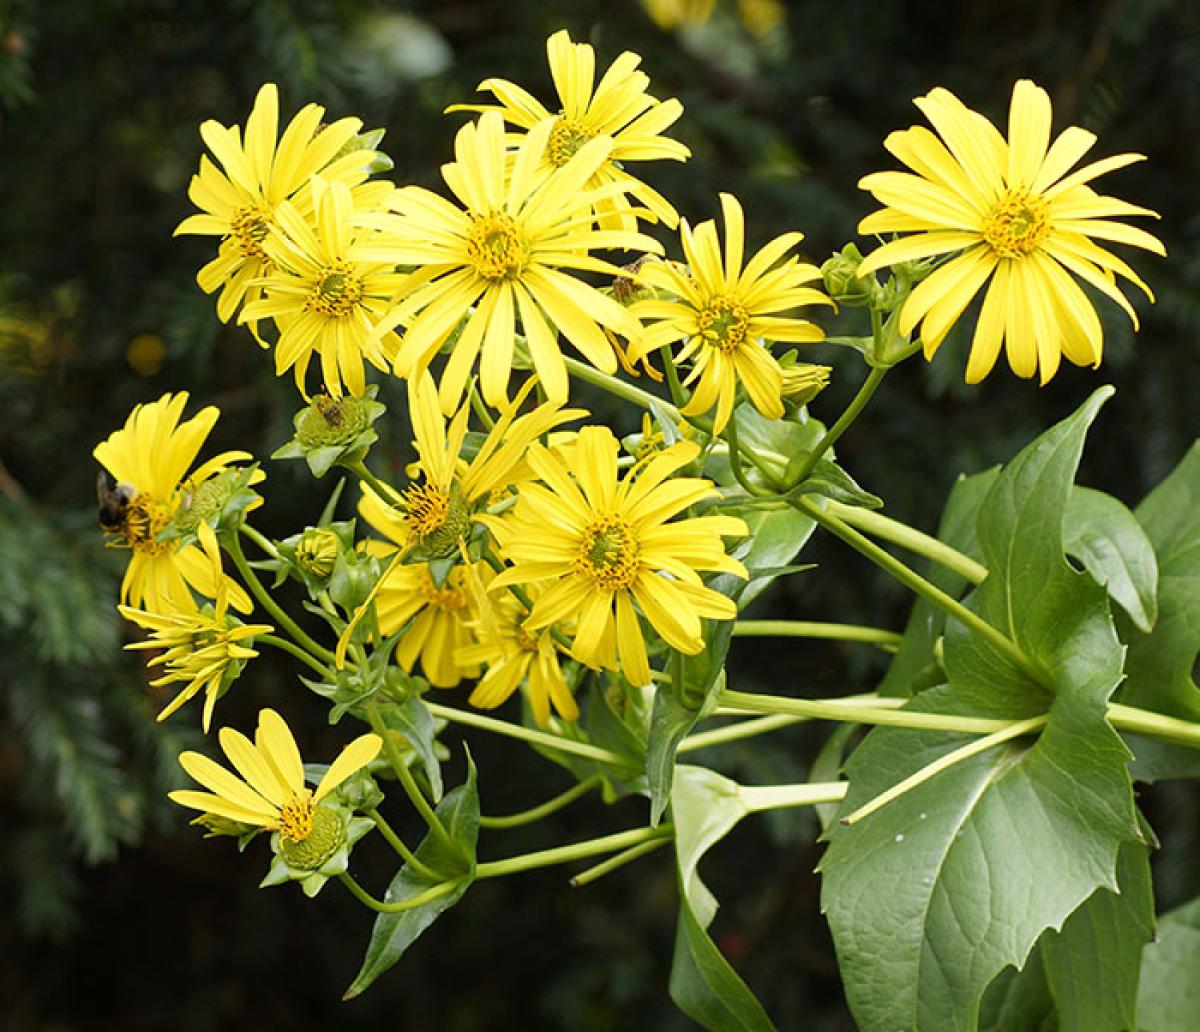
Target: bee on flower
{"type": "Point", "coordinates": [148, 459]}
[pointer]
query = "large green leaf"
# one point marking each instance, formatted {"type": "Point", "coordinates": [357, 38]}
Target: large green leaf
{"type": "Point", "coordinates": [1169, 994]}
{"type": "Point", "coordinates": [394, 933]}
{"type": "Point", "coordinates": [1159, 666]}
{"type": "Point", "coordinates": [1018, 1001]}
{"type": "Point", "coordinates": [931, 897]}
{"type": "Point", "coordinates": [705, 806]}
{"type": "Point", "coordinates": [1106, 537]}
{"type": "Point", "coordinates": [913, 662]}
{"type": "Point", "coordinates": [1092, 964]}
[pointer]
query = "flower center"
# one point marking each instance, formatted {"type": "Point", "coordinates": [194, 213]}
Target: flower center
{"type": "Point", "coordinates": [140, 523]}
{"type": "Point", "coordinates": [723, 323]}
{"type": "Point", "coordinates": [325, 836]}
{"type": "Point", "coordinates": [566, 138]}
{"type": "Point", "coordinates": [337, 291]}
{"type": "Point", "coordinates": [249, 227]}
{"type": "Point", "coordinates": [608, 553]}
{"type": "Point", "coordinates": [1017, 224]}
{"type": "Point", "coordinates": [495, 246]}
{"type": "Point", "coordinates": [428, 507]}
{"type": "Point", "coordinates": [296, 817]}
{"type": "Point", "coordinates": [445, 598]}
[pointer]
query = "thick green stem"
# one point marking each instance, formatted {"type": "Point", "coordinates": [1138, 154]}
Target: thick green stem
{"type": "Point", "coordinates": [386, 492]}
{"type": "Point", "coordinates": [735, 732]}
{"type": "Point", "coordinates": [906, 537]}
{"type": "Point", "coordinates": [859, 713]}
{"type": "Point", "coordinates": [774, 797]}
{"type": "Point", "coordinates": [1014, 730]}
{"type": "Point", "coordinates": [270, 605]}
{"type": "Point", "coordinates": [398, 845]}
{"type": "Point", "coordinates": [620, 860]}
{"type": "Point", "coordinates": [918, 584]}
{"type": "Point", "coordinates": [404, 775]}
{"type": "Point", "coordinates": [813, 629]}
{"type": "Point", "coordinates": [294, 650]}
{"type": "Point", "coordinates": [428, 896]}
{"type": "Point", "coordinates": [619, 388]}
{"type": "Point", "coordinates": [857, 404]}
{"type": "Point", "coordinates": [578, 851]}
{"type": "Point", "coordinates": [735, 462]}
{"type": "Point", "coordinates": [261, 540]}
{"type": "Point", "coordinates": [536, 813]}
{"type": "Point", "coordinates": [672, 375]}
{"type": "Point", "coordinates": [528, 734]}
{"type": "Point", "coordinates": [1129, 718]}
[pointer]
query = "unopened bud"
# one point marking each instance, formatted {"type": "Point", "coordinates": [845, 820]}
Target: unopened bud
{"type": "Point", "coordinates": [317, 551]}
{"type": "Point", "coordinates": [804, 381]}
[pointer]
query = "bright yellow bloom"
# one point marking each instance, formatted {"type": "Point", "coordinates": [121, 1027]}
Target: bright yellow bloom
{"type": "Point", "coordinates": [513, 655]}
{"type": "Point", "coordinates": [600, 546]}
{"type": "Point", "coordinates": [205, 648]}
{"type": "Point", "coordinates": [725, 312]}
{"type": "Point", "coordinates": [503, 253]}
{"type": "Point", "coordinates": [260, 171]}
{"type": "Point", "coordinates": [149, 458]}
{"type": "Point", "coordinates": [324, 300]}
{"type": "Point", "coordinates": [271, 792]}
{"type": "Point", "coordinates": [1011, 213]}
{"type": "Point", "coordinates": [618, 107]}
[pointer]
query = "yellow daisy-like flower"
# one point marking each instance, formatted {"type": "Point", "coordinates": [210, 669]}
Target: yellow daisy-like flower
{"type": "Point", "coordinates": [271, 792]}
{"type": "Point", "coordinates": [260, 171]}
{"type": "Point", "coordinates": [513, 655]}
{"type": "Point", "coordinates": [601, 546]}
{"type": "Point", "coordinates": [149, 459]}
{"type": "Point", "coordinates": [503, 252]}
{"type": "Point", "coordinates": [323, 298]}
{"type": "Point", "coordinates": [205, 649]}
{"type": "Point", "coordinates": [618, 107]}
{"type": "Point", "coordinates": [1014, 214]}
{"type": "Point", "coordinates": [725, 312]}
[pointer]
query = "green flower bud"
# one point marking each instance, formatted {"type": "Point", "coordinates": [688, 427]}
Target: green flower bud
{"type": "Point", "coordinates": [211, 501]}
{"type": "Point", "coordinates": [317, 551]}
{"type": "Point", "coordinates": [842, 281]}
{"type": "Point", "coordinates": [332, 430]}
{"type": "Point", "coordinates": [804, 381]}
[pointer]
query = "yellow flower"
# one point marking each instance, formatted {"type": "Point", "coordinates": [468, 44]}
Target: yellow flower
{"type": "Point", "coordinates": [512, 655]}
{"type": "Point", "coordinates": [618, 107]}
{"type": "Point", "coordinates": [205, 649]}
{"type": "Point", "coordinates": [149, 458]}
{"type": "Point", "coordinates": [1013, 215]}
{"type": "Point", "coordinates": [270, 792]}
{"type": "Point", "coordinates": [503, 252]}
{"type": "Point", "coordinates": [325, 300]}
{"type": "Point", "coordinates": [600, 546]}
{"type": "Point", "coordinates": [725, 312]}
{"type": "Point", "coordinates": [260, 171]}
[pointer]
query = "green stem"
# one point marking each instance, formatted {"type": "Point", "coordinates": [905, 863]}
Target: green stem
{"type": "Point", "coordinates": [386, 492]}
{"type": "Point", "coordinates": [734, 732]}
{"type": "Point", "coordinates": [619, 388]}
{"type": "Point", "coordinates": [857, 404]}
{"type": "Point", "coordinates": [918, 584]}
{"type": "Point", "coordinates": [906, 537]}
{"type": "Point", "coordinates": [826, 709]}
{"type": "Point", "coordinates": [411, 788]}
{"type": "Point", "coordinates": [577, 851]}
{"type": "Point", "coordinates": [620, 860]}
{"type": "Point", "coordinates": [774, 797]}
{"type": "Point", "coordinates": [1014, 730]}
{"type": "Point", "coordinates": [294, 650]}
{"type": "Point", "coordinates": [814, 629]}
{"type": "Point", "coordinates": [428, 896]}
{"type": "Point", "coordinates": [270, 605]}
{"type": "Point", "coordinates": [536, 813]}
{"type": "Point", "coordinates": [398, 845]}
{"type": "Point", "coordinates": [1129, 718]}
{"type": "Point", "coordinates": [261, 540]}
{"type": "Point", "coordinates": [735, 462]}
{"type": "Point", "coordinates": [528, 734]}
{"type": "Point", "coordinates": [672, 375]}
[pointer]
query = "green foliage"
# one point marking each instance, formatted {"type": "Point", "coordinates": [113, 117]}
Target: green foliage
{"type": "Point", "coordinates": [1169, 994]}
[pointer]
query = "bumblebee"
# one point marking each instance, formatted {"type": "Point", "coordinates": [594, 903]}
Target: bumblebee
{"type": "Point", "coordinates": [114, 501]}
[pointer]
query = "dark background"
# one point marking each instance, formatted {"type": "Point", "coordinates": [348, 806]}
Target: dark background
{"type": "Point", "coordinates": [116, 916]}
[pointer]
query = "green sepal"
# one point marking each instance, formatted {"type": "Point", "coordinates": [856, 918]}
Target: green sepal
{"type": "Point", "coordinates": [394, 933]}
